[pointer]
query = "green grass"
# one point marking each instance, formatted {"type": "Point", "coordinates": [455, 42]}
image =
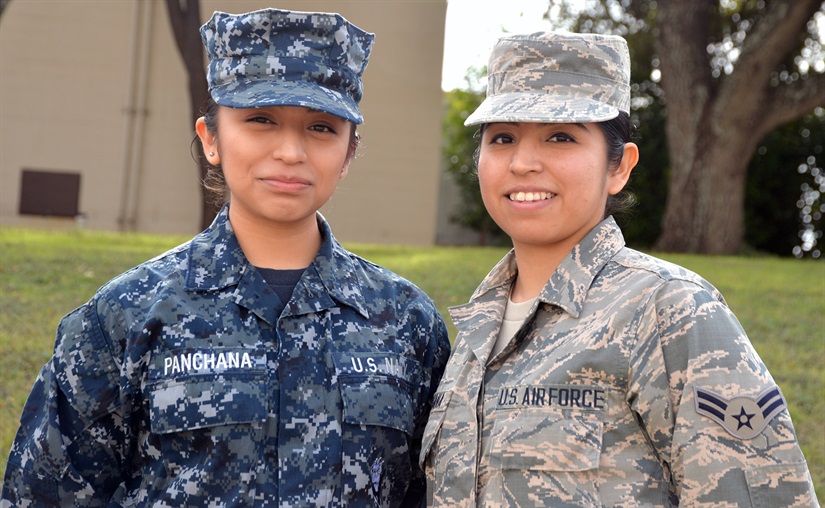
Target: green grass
{"type": "Point", "coordinates": [44, 275]}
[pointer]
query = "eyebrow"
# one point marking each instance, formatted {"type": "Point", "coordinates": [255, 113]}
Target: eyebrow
{"type": "Point", "coordinates": [577, 124]}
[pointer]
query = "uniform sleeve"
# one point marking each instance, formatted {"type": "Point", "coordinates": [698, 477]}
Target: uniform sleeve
{"type": "Point", "coordinates": [69, 448]}
{"type": "Point", "coordinates": [434, 361]}
{"type": "Point", "coordinates": [710, 408]}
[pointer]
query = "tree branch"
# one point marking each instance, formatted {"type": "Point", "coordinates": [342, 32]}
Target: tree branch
{"type": "Point", "coordinates": [789, 102]}
{"type": "Point", "coordinates": [184, 16]}
{"type": "Point", "coordinates": [746, 99]}
{"type": "Point", "coordinates": [3, 5]}
{"type": "Point", "coordinates": [773, 37]}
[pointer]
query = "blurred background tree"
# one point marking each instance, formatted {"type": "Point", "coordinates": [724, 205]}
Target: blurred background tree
{"type": "Point", "coordinates": [185, 20]}
{"type": "Point", "coordinates": [785, 189]}
{"type": "Point", "coordinates": [459, 147]}
{"type": "Point", "coordinates": [732, 92]}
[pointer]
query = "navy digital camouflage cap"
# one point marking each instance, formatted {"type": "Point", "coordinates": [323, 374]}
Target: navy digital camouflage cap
{"type": "Point", "coordinates": [556, 77]}
{"type": "Point", "coordinates": [275, 57]}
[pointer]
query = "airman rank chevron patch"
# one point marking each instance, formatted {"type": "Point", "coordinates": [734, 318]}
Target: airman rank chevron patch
{"type": "Point", "coordinates": [743, 416]}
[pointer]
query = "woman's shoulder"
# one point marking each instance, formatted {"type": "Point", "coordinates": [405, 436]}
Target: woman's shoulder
{"type": "Point", "coordinates": [145, 277]}
{"type": "Point", "coordinates": [659, 271]}
{"type": "Point", "coordinates": [378, 275]}
{"type": "Point", "coordinates": [667, 289]}
{"type": "Point", "coordinates": [128, 292]}
{"type": "Point", "coordinates": [377, 279]}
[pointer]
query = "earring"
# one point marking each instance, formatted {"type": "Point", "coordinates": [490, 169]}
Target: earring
{"type": "Point", "coordinates": [211, 154]}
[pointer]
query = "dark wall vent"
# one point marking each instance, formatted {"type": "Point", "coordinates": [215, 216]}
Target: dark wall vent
{"type": "Point", "coordinates": [49, 193]}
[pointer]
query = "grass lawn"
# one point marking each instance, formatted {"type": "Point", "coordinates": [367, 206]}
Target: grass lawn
{"type": "Point", "coordinates": [46, 274]}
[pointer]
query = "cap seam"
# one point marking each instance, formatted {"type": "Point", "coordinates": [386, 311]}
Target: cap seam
{"type": "Point", "coordinates": [570, 73]}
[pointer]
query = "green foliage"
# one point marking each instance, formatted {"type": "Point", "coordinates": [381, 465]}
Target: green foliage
{"type": "Point", "coordinates": [44, 275]}
{"type": "Point", "coordinates": [458, 153]}
{"type": "Point", "coordinates": [648, 182]}
{"type": "Point", "coordinates": [772, 216]}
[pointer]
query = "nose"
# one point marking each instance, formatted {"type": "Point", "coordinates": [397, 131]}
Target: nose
{"type": "Point", "coordinates": [289, 146]}
{"type": "Point", "coordinates": [525, 158]}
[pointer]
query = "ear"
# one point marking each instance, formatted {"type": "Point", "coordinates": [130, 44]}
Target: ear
{"type": "Point", "coordinates": [209, 142]}
{"type": "Point", "coordinates": [617, 179]}
{"type": "Point", "coordinates": [345, 169]}
{"type": "Point", "coordinates": [350, 155]}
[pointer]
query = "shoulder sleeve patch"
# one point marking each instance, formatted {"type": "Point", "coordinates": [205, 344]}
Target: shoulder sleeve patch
{"type": "Point", "coordinates": [742, 416]}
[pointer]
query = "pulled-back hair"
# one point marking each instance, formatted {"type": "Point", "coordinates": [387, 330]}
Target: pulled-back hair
{"type": "Point", "coordinates": [214, 181]}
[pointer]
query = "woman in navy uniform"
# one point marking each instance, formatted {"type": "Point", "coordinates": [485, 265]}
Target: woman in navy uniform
{"type": "Point", "coordinates": [260, 364]}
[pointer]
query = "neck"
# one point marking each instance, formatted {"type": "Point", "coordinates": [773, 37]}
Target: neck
{"type": "Point", "coordinates": [277, 246]}
{"type": "Point", "coordinates": [535, 267]}
{"type": "Point", "coordinates": [537, 262]}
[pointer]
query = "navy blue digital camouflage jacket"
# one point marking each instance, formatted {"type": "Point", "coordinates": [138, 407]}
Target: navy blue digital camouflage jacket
{"type": "Point", "coordinates": [178, 384]}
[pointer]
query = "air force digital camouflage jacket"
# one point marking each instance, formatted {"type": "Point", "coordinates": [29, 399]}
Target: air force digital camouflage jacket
{"type": "Point", "coordinates": [631, 384]}
{"type": "Point", "coordinates": [178, 385]}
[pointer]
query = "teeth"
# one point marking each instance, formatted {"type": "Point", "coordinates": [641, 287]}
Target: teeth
{"type": "Point", "coordinates": [530, 196]}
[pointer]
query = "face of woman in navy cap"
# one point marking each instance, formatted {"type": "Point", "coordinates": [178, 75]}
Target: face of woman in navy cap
{"type": "Point", "coordinates": [281, 163]}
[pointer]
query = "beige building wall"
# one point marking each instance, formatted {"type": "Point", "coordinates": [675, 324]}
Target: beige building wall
{"type": "Point", "coordinates": [98, 87]}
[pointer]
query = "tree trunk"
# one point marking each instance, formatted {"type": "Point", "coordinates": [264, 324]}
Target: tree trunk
{"type": "Point", "coordinates": [184, 15]}
{"type": "Point", "coordinates": [706, 214]}
{"type": "Point", "coordinates": [685, 80]}
{"type": "Point", "coordinates": [714, 125]}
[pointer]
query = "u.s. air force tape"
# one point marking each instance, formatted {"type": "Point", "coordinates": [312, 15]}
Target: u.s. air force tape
{"type": "Point", "coordinates": [742, 416]}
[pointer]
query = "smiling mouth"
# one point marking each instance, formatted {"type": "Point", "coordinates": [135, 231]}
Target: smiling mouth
{"type": "Point", "coordinates": [528, 197]}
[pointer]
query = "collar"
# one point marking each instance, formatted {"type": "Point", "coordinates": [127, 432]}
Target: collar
{"type": "Point", "coordinates": [216, 262]}
{"type": "Point", "coordinates": [569, 284]}
{"type": "Point", "coordinates": [332, 274]}
{"type": "Point", "coordinates": [567, 287]}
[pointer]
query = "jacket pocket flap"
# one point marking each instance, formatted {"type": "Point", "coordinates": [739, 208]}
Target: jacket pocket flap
{"type": "Point", "coordinates": [377, 400]}
{"type": "Point", "coordinates": [207, 401]}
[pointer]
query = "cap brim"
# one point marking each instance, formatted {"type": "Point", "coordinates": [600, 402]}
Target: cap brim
{"type": "Point", "coordinates": [259, 94]}
{"type": "Point", "coordinates": [540, 107]}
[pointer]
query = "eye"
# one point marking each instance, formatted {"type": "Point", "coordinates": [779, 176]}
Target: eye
{"type": "Point", "coordinates": [322, 128]}
{"type": "Point", "coordinates": [561, 137]}
{"type": "Point", "coordinates": [260, 119]}
{"type": "Point", "coordinates": [501, 139]}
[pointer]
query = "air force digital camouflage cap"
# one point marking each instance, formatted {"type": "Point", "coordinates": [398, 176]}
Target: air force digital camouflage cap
{"type": "Point", "coordinates": [274, 57]}
{"type": "Point", "coordinates": [556, 78]}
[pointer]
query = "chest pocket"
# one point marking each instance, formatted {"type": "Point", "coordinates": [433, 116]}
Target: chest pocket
{"type": "Point", "coordinates": [542, 442]}
{"type": "Point", "coordinates": [194, 389]}
{"type": "Point", "coordinates": [378, 389]}
{"type": "Point", "coordinates": [549, 428]}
